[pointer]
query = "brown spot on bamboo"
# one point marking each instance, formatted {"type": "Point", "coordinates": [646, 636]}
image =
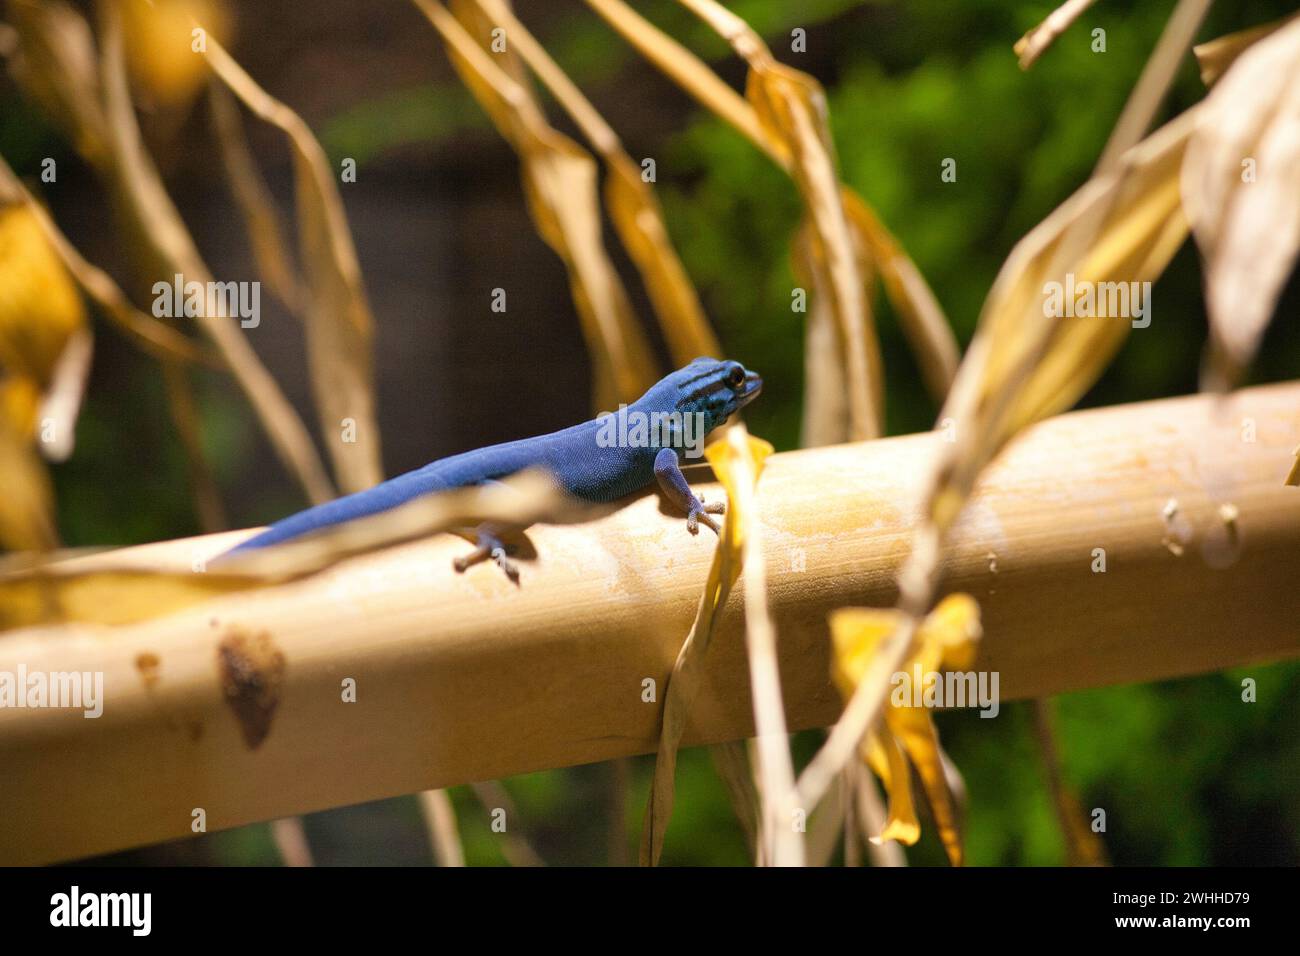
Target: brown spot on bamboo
{"type": "Point", "coordinates": [147, 663]}
{"type": "Point", "coordinates": [252, 675]}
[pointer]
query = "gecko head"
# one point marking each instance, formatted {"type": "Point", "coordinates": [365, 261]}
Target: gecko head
{"type": "Point", "coordinates": [712, 388]}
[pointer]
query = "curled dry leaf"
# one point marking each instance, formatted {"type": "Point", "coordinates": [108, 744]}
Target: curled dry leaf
{"type": "Point", "coordinates": [638, 219]}
{"type": "Point", "coordinates": [160, 46]}
{"type": "Point", "coordinates": [1215, 56]}
{"type": "Point", "coordinates": [1241, 190]}
{"type": "Point", "coordinates": [560, 184]}
{"type": "Point", "coordinates": [825, 404]}
{"type": "Point", "coordinates": [1030, 359]}
{"type": "Point", "coordinates": [266, 234]}
{"type": "Point", "coordinates": [54, 63]}
{"type": "Point", "coordinates": [40, 313]}
{"type": "Point", "coordinates": [919, 313]}
{"type": "Point", "coordinates": [44, 353]}
{"type": "Point", "coordinates": [27, 505]}
{"type": "Point", "coordinates": [946, 639]}
{"type": "Point", "coordinates": [159, 340]}
{"type": "Point", "coordinates": [163, 247]}
{"type": "Point", "coordinates": [339, 325]}
{"type": "Point", "coordinates": [106, 589]}
{"type": "Point", "coordinates": [784, 116]}
{"type": "Point", "coordinates": [791, 110]}
{"type": "Point", "coordinates": [732, 461]}
{"type": "Point", "coordinates": [633, 208]}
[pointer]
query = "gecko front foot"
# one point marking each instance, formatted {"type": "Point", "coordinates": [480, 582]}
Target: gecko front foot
{"type": "Point", "coordinates": [699, 512]}
{"type": "Point", "coordinates": [669, 473]}
{"type": "Point", "coordinates": [489, 546]}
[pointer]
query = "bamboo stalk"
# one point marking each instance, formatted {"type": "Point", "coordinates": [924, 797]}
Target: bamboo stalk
{"type": "Point", "coordinates": [467, 677]}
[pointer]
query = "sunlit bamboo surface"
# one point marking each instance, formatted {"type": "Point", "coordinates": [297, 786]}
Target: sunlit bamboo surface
{"type": "Point", "coordinates": [236, 706]}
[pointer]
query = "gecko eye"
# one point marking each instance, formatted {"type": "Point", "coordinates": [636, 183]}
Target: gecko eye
{"type": "Point", "coordinates": [736, 376]}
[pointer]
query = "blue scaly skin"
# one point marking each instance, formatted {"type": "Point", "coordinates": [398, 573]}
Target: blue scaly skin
{"type": "Point", "coordinates": [581, 458]}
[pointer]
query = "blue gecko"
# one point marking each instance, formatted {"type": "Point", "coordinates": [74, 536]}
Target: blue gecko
{"type": "Point", "coordinates": [598, 461]}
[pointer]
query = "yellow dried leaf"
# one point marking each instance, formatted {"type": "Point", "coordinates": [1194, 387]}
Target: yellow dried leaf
{"type": "Point", "coordinates": [266, 236]}
{"type": "Point", "coordinates": [153, 336]}
{"type": "Point", "coordinates": [40, 308]}
{"type": "Point", "coordinates": [45, 350]}
{"type": "Point", "coordinates": [1026, 362]}
{"type": "Point", "coordinates": [946, 639]}
{"type": "Point", "coordinates": [889, 763]}
{"type": "Point", "coordinates": [638, 219]}
{"type": "Point", "coordinates": [825, 398]}
{"type": "Point", "coordinates": [165, 68]}
{"type": "Point", "coordinates": [27, 503]}
{"type": "Point", "coordinates": [791, 107]}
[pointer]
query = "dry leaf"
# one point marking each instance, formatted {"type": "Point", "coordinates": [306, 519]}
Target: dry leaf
{"type": "Point", "coordinates": [159, 340]}
{"type": "Point", "coordinates": [732, 462]}
{"type": "Point", "coordinates": [633, 208]}
{"type": "Point", "coordinates": [945, 640]}
{"type": "Point", "coordinates": [266, 235]}
{"type": "Point", "coordinates": [338, 320]}
{"type": "Point", "coordinates": [107, 590]}
{"type": "Point", "coordinates": [690, 73]}
{"type": "Point", "coordinates": [782, 841]}
{"type": "Point", "coordinates": [785, 117]}
{"type": "Point", "coordinates": [27, 505]}
{"type": "Point", "coordinates": [825, 392]}
{"type": "Point", "coordinates": [55, 65]}
{"type": "Point", "coordinates": [163, 247]}
{"type": "Point", "coordinates": [560, 185]}
{"type": "Point", "coordinates": [919, 313]}
{"type": "Point", "coordinates": [1027, 363]}
{"type": "Point", "coordinates": [1215, 56]}
{"type": "Point", "coordinates": [43, 352]}
{"type": "Point", "coordinates": [40, 309]}
{"type": "Point", "coordinates": [791, 107]}
{"type": "Point", "coordinates": [160, 54]}
{"type": "Point", "coordinates": [1241, 189]}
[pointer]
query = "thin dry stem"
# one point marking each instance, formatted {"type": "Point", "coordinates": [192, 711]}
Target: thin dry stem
{"type": "Point", "coordinates": [782, 839]}
{"type": "Point", "coordinates": [440, 823]}
{"type": "Point", "coordinates": [1034, 43]}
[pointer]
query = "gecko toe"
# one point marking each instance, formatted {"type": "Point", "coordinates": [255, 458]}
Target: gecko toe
{"type": "Point", "coordinates": [510, 569]}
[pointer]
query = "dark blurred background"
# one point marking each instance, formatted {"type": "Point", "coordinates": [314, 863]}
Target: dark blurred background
{"type": "Point", "coordinates": [1188, 774]}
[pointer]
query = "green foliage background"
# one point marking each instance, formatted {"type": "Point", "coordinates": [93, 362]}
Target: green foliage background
{"type": "Point", "coordinates": [1187, 773]}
